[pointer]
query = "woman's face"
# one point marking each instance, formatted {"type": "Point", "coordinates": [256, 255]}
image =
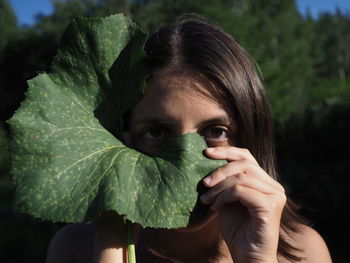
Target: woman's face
{"type": "Point", "coordinates": [176, 103]}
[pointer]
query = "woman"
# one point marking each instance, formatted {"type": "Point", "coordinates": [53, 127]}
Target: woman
{"type": "Point", "coordinates": [202, 81]}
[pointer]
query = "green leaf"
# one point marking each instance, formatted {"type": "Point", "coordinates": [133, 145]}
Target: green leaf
{"type": "Point", "coordinates": [67, 161]}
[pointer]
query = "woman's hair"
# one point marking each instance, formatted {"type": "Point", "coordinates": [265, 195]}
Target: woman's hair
{"type": "Point", "coordinates": [196, 45]}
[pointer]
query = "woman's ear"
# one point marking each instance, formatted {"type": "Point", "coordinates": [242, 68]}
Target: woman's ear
{"type": "Point", "coordinates": [127, 139]}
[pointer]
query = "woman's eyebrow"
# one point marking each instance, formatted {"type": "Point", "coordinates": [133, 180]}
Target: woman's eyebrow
{"type": "Point", "coordinates": [218, 119]}
{"type": "Point", "coordinates": [151, 120]}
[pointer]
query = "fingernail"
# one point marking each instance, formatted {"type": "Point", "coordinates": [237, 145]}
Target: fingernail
{"type": "Point", "coordinates": [207, 179]}
{"type": "Point", "coordinates": [210, 150]}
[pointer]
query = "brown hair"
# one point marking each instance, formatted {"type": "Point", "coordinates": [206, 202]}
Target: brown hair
{"type": "Point", "coordinates": [193, 43]}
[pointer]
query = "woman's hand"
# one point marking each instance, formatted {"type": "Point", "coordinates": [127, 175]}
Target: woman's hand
{"type": "Point", "coordinates": [250, 204]}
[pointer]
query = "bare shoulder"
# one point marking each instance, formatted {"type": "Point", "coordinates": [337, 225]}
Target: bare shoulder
{"type": "Point", "coordinates": [72, 243]}
{"type": "Point", "coordinates": [309, 241]}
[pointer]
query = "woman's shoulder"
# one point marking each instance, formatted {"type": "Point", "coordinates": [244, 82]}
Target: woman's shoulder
{"type": "Point", "coordinates": [311, 244]}
{"type": "Point", "coordinates": [72, 243]}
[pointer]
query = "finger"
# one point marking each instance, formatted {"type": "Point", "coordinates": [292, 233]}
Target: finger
{"type": "Point", "coordinates": [242, 179]}
{"type": "Point", "coordinates": [257, 203]}
{"type": "Point", "coordinates": [240, 168]}
{"type": "Point", "coordinates": [229, 153]}
{"type": "Point", "coordinates": [230, 169]}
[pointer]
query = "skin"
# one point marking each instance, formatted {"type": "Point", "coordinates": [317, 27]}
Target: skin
{"type": "Point", "coordinates": [246, 203]}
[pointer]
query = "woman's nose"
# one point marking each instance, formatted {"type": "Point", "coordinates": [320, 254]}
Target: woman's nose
{"type": "Point", "coordinates": [188, 129]}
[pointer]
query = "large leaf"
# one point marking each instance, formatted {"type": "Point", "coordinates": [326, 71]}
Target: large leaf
{"type": "Point", "coordinates": [67, 161]}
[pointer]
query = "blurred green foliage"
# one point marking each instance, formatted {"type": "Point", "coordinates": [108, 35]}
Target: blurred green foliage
{"type": "Point", "coordinates": [4, 154]}
{"type": "Point", "coordinates": [305, 64]}
{"type": "Point", "coordinates": [8, 24]}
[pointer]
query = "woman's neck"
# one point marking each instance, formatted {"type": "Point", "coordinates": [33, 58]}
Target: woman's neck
{"type": "Point", "coordinates": [201, 245]}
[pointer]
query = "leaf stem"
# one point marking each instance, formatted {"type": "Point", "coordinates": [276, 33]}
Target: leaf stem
{"type": "Point", "coordinates": [131, 245]}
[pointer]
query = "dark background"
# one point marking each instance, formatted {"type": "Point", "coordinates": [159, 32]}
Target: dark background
{"type": "Point", "coordinates": [305, 63]}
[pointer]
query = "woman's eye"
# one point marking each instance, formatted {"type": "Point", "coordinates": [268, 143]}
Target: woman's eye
{"type": "Point", "coordinates": [155, 133]}
{"type": "Point", "coordinates": [153, 136]}
{"type": "Point", "coordinates": [216, 133]}
{"type": "Point", "coordinates": [150, 140]}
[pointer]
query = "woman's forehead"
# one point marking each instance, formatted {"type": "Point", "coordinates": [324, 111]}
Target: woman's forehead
{"type": "Point", "coordinates": [180, 93]}
{"type": "Point", "coordinates": [168, 80]}
{"type": "Point", "coordinates": [178, 107]}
